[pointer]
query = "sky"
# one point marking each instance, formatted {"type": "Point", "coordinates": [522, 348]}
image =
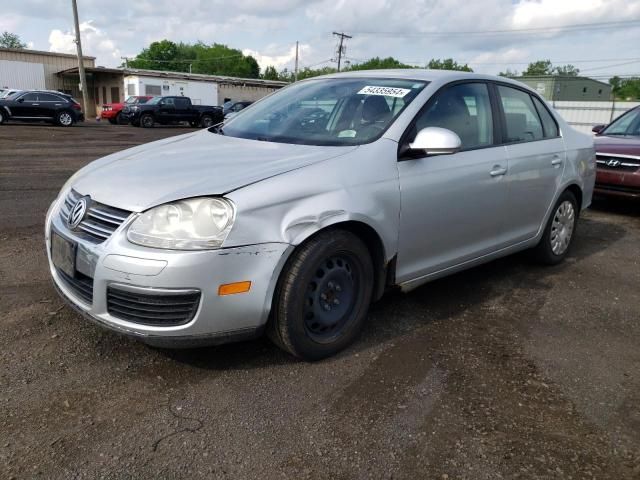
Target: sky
{"type": "Point", "coordinates": [411, 31]}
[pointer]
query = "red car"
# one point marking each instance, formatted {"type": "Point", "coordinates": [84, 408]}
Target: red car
{"type": "Point", "coordinates": [113, 111]}
{"type": "Point", "coordinates": [618, 156]}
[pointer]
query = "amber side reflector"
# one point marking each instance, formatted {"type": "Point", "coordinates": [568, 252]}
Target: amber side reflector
{"type": "Point", "coordinates": [233, 288]}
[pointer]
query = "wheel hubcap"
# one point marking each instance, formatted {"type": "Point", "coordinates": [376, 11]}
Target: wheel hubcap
{"type": "Point", "coordinates": [330, 298]}
{"type": "Point", "coordinates": [562, 227]}
{"type": "Point", "coordinates": [65, 119]}
{"type": "Point", "coordinates": [148, 121]}
{"type": "Point", "coordinates": [206, 121]}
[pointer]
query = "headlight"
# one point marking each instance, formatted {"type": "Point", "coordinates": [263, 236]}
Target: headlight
{"type": "Point", "coordinates": [193, 224]}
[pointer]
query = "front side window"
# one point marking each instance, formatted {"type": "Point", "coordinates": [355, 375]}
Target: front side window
{"type": "Point", "coordinates": [464, 109]}
{"type": "Point", "coordinates": [344, 111]}
{"type": "Point", "coordinates": [627, 124]}
{"type": "Point", "coordinates": [521, 117]}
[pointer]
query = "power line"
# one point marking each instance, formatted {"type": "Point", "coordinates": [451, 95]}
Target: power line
{"type": "Point", "coordinates": [571, 27]}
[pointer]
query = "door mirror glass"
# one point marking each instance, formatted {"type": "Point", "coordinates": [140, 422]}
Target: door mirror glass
{"type": "Point", "coordinates": [598, 128]}
{"type": "Point", "coordinates": [436, 141]}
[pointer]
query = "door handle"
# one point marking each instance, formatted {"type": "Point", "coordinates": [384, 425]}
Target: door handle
{"type": "Point", "coordinates": [497, 171]}
{"type": "Point", "coordinates": [35, 104]}
{"type": "Point", "coordinates": [556, 160]}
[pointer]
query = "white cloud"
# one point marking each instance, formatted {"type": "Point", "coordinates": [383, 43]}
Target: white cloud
{"type": "Point", "coordinates": [95, 42]}
{"type": "Point", "coordinates": [284, 59]}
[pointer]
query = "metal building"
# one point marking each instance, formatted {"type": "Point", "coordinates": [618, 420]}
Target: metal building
{"type": "Point", "coordinates": [564, 88]}
{"type": "Point", "coordinates": [32, 69]}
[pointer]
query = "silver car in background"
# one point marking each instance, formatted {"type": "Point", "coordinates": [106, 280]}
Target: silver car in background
{"type": "Point", "coordinates": [311, 203]}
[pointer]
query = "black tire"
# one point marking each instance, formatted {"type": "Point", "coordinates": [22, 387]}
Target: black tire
{"type": "Point", "coordinates": [323, 295]}
{"type": "Point", "coordinates": [146, 120]}
{"type": "Point", "coordinates": [64, 118]}
{"type": "Point", "coordinates": [112, 121]}
{"type": "Point", "coordinates": [554, 245]}
{"type": "Point", "coordinates": [206, 121]}
{"type": "Point", "coordinates": [121, 119]}
{"type": "Point", "coordinates": [3, 116]}
{"type": "Point", "coordinates": [136, 123]}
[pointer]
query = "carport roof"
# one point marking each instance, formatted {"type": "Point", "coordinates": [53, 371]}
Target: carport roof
{"type": "Point", "coordinates": [257, 82]}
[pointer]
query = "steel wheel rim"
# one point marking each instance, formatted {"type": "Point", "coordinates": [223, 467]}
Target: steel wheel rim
{"type": "Point", "coordinates": [65, 119]}
{"type": "Point", "coordinates": [207, 122]}
{"type": "Point", "coordinates": [147, 121]}
{"type": "Point", "coordinates": [562, 226]}
{"type": "Point", "coordinates": [330, 298]}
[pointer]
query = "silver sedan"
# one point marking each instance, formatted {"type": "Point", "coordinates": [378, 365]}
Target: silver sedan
{"type": "Point", "coordinates": [311, 203]}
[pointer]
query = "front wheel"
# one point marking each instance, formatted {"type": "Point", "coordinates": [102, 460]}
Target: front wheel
{"type": "Point", "coordinates": [558, 234]}
{"type": "Point", "coordinates": [146, 121]}
{"type": "Point", "coordinates": [64, 119]}
{"type": "Point", "coordinates": [323, 296]}
{"type": "Point", "coordinates": [2, 116]}
{"type": "Point", "coordinates": [121, 119]}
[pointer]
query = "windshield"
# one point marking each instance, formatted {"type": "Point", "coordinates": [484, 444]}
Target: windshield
{"type": "Point", "coordinates": [627, 124]}
{"type": "Point", "coordinates": [344, 111]}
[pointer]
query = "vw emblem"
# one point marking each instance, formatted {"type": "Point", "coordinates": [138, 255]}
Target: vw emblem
{"type": "Point", "coordinates": [77, 213]}
{"type": "Point", "coordinates": [613, 163]}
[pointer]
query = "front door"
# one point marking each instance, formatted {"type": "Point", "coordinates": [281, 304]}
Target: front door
{"type": "Point", "coordinates": [166, 111]}
{"type": "Point", "coordinates": [26, 106]}
{"type": "Point", "coordinates": [453, 207]}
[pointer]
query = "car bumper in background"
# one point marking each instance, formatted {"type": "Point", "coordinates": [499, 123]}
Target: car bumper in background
{"type": "Point", "coordinates": [116, 279]}
{"type": "Point", "coordinates": [619, 184]}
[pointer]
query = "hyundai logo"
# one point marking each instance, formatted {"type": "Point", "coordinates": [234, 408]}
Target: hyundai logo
{"type": "Point", "coordinates": [613, 163]}
{"type": "Point", "coordinates": [77, 213]}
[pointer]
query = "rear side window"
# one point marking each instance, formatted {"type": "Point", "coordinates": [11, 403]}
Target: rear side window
{"type": "Point", "coordinates": [521, 117]}
{"type": "Point", "coordinates": [182, 103]}
{"type": "Point", "coordinates": [464, 109]}
{"type": "Point", "coordinates": [549, 125]}
{"type": "Point", "coordinates": [46, 97]}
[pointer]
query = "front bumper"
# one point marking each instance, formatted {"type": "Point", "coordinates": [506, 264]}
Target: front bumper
{"type": "Point", "coordinates": [109, 114]}
{"type": "Point", "coordinates": [618, 184]}
{"type": "Point", "coordinates": [118, 263]}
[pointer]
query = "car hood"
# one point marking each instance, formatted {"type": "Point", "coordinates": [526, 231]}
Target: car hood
{"type": "Point", "coordinates": [196, 164]}
{"type": "Point", "coordinates": [621, 145]}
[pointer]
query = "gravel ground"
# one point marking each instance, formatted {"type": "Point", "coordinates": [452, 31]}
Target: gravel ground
{"type": "Point", "coordinates": [508, 370]}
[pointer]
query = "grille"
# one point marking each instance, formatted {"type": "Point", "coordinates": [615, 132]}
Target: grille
{"type": "Point", "coordinates": [157, 310]}
{"type": "Point", "coordinates": [80, 284]}
{"type": "Point", "coordinates": [99, 222]}
{"type": "Point", "coordinates": [619, 164]}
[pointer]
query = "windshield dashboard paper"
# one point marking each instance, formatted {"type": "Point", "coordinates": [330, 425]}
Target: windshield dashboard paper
{"type": "Point", "coordinates": [385, 91]}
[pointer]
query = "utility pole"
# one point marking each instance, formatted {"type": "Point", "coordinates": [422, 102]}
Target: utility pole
{"type": "Point", "coordinates": [295, 72]}
{"type": "Point", "coordinates": [126, 61]}
{"type": "Point", "coordinates": [83, 77]}
{"type": "Point", "coordinates": [341, 49]}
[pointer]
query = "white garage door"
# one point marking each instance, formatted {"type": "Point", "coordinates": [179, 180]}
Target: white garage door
{"type": "Point", "coordinates": [22, 75]}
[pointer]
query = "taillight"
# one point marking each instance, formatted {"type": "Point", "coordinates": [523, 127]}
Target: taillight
{"type": "Point", "coordinates": [76, 106]}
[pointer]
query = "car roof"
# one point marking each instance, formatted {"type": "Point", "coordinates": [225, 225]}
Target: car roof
{"type": "Point", "coordinates": [420, 74]}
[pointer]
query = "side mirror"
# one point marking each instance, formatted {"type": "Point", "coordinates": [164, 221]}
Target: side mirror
{"type": "Point", "coordinates": [21, 100]}
{"type": "Point", "coordinates": [598, 128]}
{"type": "Point", "coordinates": [436, 141]}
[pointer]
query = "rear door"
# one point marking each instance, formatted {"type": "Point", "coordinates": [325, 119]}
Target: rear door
{"type": "Point", "coordinates": [184, 112]}
{"type": "Point", "coordinates": [453, 207]}
{"type": "Point", "coordinates": [50, 104]}
{"type": "Point", "coordinates": [536, 160]}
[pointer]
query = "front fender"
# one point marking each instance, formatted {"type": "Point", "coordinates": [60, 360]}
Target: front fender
{"type": "Point", "coordinates": [360, 186]}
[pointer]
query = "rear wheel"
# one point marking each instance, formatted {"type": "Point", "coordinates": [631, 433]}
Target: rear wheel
{"type": "Point", "coordinates": [64, 119]}
{"type": "Point", "coordinates": [146, 120]}
{"type": "Point", "coordinates": [2, 116]}
{"type": "Point", "coordinates": [323, 296]}
{"type": "Point", "coordinates": [558, 235]}
{"type": "Point", "coordinates": [206, 121]}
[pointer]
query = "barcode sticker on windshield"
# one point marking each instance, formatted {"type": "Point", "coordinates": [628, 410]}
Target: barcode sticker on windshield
{"type": "Point", "coordinates": [386, 91]}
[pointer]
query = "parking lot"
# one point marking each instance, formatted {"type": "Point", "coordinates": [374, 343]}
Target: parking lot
{"type": "Point", "coordinates": [509, 370]}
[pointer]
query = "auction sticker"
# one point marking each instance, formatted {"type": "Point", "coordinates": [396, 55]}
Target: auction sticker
{"type": "Point", "coordinates": [385, 91]}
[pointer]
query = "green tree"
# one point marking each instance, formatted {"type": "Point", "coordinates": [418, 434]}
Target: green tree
{"type": "Point", "coordinates": [11, 40]}
{"type": "Point", "coordinates": [378, 63]}
{"type": "Point", "coordinates": [509, 73]}
{"type": "Point", "coordinates": [270, 73]}
{"type": "Point", "coordinates": [447, 64]}
{"type": "Point", "coordinates": [625, 88]}
{"type": "Point", "coordinates": [538, 68]}
{"type": "Point", "coordinates": [566, 71]}
{"type": "Point", "coordinates": [214, 59]}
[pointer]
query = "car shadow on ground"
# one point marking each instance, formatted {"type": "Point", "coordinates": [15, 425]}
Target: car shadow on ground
{"type": "Point", "coordinates": [398, 314]}
{"type": "Point", "coordinates": [622, 206]}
